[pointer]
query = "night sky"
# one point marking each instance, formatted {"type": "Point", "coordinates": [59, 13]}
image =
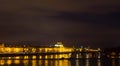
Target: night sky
{"type": "Point", "coordinates": [94, 23]}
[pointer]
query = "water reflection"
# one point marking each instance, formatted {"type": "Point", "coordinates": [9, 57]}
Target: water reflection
{"type": "Point", "coordinates": [113, 62]}
{"type": "Point", "coordinates": [2, 62]}
{"type": "Point", "coordinates": [95, 62]}
{"type": "Point", "coordinates": [25, 62]}
{"type": "Point", "coordinates": [34, 63]}
{"type": "Point", "coordinates": [119, 62]}
{"type": "Point", "coordinates": [9, 62]}
{"type": "Point", "coordinates": [87, 62]}
{"type": "Point", "coordinates": [99, 62]}
{"type": "Point", "coordinates": [79, 62]}
{"type": "Point", "coordinates": [53, 63]}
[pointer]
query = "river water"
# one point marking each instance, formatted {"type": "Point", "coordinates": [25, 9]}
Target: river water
{"type": "Point", "coordinates": [80, 62]}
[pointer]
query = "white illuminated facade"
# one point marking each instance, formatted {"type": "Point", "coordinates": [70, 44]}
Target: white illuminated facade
{"type": "Point", "coordinates": [59, 44]}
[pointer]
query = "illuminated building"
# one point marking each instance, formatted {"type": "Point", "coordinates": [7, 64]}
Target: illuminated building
{"type": "Point", "coordinates": [59, 44]}
{"type": "Point", "coordinates": [56, 48]}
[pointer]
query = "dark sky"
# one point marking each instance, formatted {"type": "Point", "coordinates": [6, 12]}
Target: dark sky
{"type": "Point", "coordinates": [74, 22]}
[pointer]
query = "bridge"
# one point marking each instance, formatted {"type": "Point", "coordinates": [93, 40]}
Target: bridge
{"type": "Point", "coordinates": [54, 55]}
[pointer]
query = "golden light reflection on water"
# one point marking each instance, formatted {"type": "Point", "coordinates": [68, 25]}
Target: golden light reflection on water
{"type": "Point", "coordinates": [113, 62]}
{"type": "Point", "coordinates": [33, 62]}
{"type": "Point", "coordinates": [50, 62]}
{"type": "Point", "coordinates": [56, 63]}
{"type": "Point", "coordinates": [77, 62]}
{"type": "Point", "coordinates": [61, 63]}
{"type": "Point", "coordinates": [25, 62]}
{"type": "Point", "coordinates": [87, 62]}
{"type": "Point", "coordinates": [2, 62]}
{"type": "Point", "coordinates": [40, 63]}
{"type": "Point", "coordinates": [66, 62]}
{"type": "Point", "coordinates": [9, 62]}
{"type": "Point", "coordinates": [16, 61]}
{"type": "Point", "coordinates": [99, 62]}
{"type": "Point", "coordinates": [46, 62]}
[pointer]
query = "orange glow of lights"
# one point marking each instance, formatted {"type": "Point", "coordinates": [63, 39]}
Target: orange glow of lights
{"type": "Point", "coordinates": [2, 62]}
{"type": "Point", "coordinates": [25, 57]}
{"type": "Point", "coordinates": [17, 57]}
{"type": "Point", "coordinates": [16, 61]}
{"type": "Point", "coordinates": [34, 63]}
{"type": "Point", "coordinates": [33, 57]}
{"type": "Point", "coordinates": [9, 62]}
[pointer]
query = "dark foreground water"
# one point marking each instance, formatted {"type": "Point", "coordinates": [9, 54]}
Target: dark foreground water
{"type": "Point", "coordinates": [81, 62]}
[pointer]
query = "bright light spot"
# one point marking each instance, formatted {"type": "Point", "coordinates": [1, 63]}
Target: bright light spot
{"type": "Point", "coordinates": [17, 57]}
{"type": "Point", "coordinates": [34, 63]}
{"type": "Point", "coordinates": [59, 44]}
{"type": "Point", "coordinates": [25, 57]}
{"type": "Point", "coordinates": [9, 62]}
{"type": "Point", "coordinates": [16, 61]}
{"type": "Point", "coordinates": [34, 57]}
{"type": "Point", "coordinates": [2, 62]}
{"type": "Point", "coordinates": [9, 57]}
